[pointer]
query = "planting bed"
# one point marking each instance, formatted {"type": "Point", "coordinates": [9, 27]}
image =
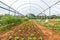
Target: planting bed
{"type": "Point", "coordinates": [54, 22]}
{"type": "Point", "coordinates": [25, 31]}
{"type": "Point", "coordinates": [51, 24]}
{"type": "Point", "coordinates": [55, 25]}
{"type": "Point", "coordinates": [30, 30]}
{"type": "Point", "coordinates": [8, 22]}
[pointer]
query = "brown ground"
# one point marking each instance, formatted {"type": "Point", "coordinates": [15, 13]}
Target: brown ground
{"type": "Point", "coordinates": [47, 34]}
{"type": "Point", "coordinates": [4, 36]}
{"type": "Point", "coordinates": [51, 35]}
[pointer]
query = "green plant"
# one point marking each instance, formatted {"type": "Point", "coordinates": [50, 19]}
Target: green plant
{"type": "Point", "coordinates": [46, 25]}
{"type": "Point", "coordinates": [16, 38]}
{"type": "Point", "coordinates": [10, 37]}
{"type": "Point", "coordinates": [34, 38]}
{"type": "Point", "coordinates": [30, 38]}
{"type": "Point", "coordinates": [22, 38]}
{"type": "Point", "coordinates": [8, 27]}
{"type": "Point", "coordinates": [8, 22]}
{"type": "Point", "coordinates": [40, 38]}
{"type": "Point", "coordinates": [32, 35]}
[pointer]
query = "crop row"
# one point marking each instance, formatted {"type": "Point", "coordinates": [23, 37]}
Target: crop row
{"type": "Point", "coordinates": [27, 32]}
{"type": "Point", "coordinates": [55, 27]}
{"type": "Point", "coordinates": [7, 22]}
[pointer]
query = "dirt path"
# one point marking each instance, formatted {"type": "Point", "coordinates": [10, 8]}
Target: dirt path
{"type": "Point", "coordinates": [52, 35]}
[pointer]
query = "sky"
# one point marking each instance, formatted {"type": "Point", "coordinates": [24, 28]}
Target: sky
{"type": "Point", "coordinates": [33, 6]}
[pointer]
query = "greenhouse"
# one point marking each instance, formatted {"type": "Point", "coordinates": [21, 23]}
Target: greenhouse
{"type": "Point", "coordinates": [29, 19]}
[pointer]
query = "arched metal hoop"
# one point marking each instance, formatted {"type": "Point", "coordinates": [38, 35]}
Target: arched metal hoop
{"type": "Point", "coordinates": [31, 6]}
{"type": "Point", "coordinates": [29, 3]}
{"type": "Point", "coordinates": [32, 9]}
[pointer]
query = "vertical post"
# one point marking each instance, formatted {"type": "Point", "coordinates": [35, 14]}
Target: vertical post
{"type": "Point", "coordinates": [49, 13]}
{"type": "Point", "coordinates": [9, 10]}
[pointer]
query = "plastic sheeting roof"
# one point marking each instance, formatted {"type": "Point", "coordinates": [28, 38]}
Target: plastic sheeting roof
{"type": "Point", "coordinates": [34, 6]}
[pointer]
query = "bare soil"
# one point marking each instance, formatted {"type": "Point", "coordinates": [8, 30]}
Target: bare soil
{"type": "Point", "coordinates": [45, 33]}
{"type": "Point", "coordinates": [51, 34]}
